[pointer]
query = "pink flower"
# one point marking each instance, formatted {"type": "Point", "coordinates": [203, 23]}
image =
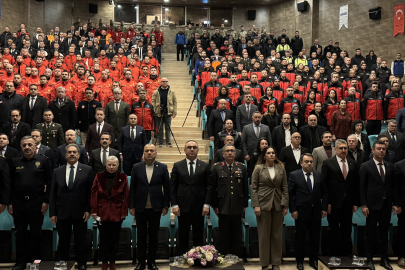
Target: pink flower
{"type": "Point", "coordinates": [203, 262]}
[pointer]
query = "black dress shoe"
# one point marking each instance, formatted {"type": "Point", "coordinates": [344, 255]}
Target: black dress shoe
{"type": "Point", "coordinates": [82, 267]}
{"type": "Point", "coordinates": [300, 266]}
{"type": "Point", "coordinates": [19, 266]}
{"type": "Point", "coordinates": [314, 264]}
{"type": "Point", "coordinates": [370, 265]}
{"type": "Point", "coordinates": [140, 266]}
{"type": "Point", "coordinates": [152, 266]}
{"type": "Point", "coordinates": [384, 263]}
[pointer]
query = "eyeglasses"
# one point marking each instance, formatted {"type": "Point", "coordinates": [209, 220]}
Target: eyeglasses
{"type": "Point", "coordinates": [164, 81]}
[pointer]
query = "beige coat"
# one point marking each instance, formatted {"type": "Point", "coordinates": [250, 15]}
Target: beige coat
{"type": "Point", "coordinates": [171, 102]}
{"type": "Point", "coordinates": [266, 192]}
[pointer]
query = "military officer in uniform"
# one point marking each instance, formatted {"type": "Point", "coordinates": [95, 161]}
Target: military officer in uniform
{"type": "Point", "coordinates": [32, 177]}
{"type": "Point", "coordinates": [53, 135]}
{"type": "Point", "coordinates": [230, 198]}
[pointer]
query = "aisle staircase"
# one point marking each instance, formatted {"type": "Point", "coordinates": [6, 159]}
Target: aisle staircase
{"type": "Point", "coordinates": [179, 80]}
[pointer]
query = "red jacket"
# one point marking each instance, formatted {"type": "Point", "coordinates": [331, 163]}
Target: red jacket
{"type": "Point", "coordinates": [110, 207]}
{"type": "Point", "coordinates": [353, 106]}
{"type": "Point", "coordinates": [335, 86]}
{"type": "Point", "coordinates": [256, 90]}
{"type": "Point", "coordinates": [144, 112]}
{"type": "Point", "coordinates": [47, 92]}
{"type": "Point", "coordinates": [209, 92]}
{"type": "Point", "coordinates": [291, 76]}
{"type": "Point", "coordinates": [372, 107]}
{"type": "Point", "coordinates": [264, 102]}
{"type": "Point", "coordinates": [235, 91]}
{"type": "Point", "coordinates": [117, 36]}
{"type": "Point", "coordinates": [392, 103]}
{"type": "Point", "coordinates": [159, 37]}
{"type": "Point", "coordinates": [131, 33]}
{"type": "Point", "coordinates": [328, 108]}
{"type": "Point", "coordinates": [255, 71]}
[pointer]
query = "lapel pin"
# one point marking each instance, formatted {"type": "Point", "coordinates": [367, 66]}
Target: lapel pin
{"type": "Point", "coordinates": [120, 180]}
{"type": "Point", "coordinates": [157, 165]}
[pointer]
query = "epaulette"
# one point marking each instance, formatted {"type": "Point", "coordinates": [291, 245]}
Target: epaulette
{"type": "Point", "coordinates": [218, 163]}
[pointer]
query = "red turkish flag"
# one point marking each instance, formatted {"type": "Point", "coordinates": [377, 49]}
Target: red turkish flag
{"type": "Point", "coordinates": [399, 22]}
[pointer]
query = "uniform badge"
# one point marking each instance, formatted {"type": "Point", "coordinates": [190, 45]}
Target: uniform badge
{"type": "Point", "coordinates": [239, 181]}
{"type": "Point", "coordinates": [94, 105]}
{"type": "Point", "coordinates": [37, 164]}
{"type": "Point", "coordinates": [82, 106]}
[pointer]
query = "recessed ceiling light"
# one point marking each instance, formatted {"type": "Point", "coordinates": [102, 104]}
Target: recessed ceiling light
{"type": "Point", "coordinates": [119, 6]}
{"type": "Point", "coordinates": [166, 9]}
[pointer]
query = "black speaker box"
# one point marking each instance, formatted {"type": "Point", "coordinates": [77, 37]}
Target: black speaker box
{"type": "Point", "coordinates": [374, 13]}
{"type": "Point", "coordinates": [302, 6]}
{"type": "Point", "coordinates": [93, 8]}
{"type": "Point", "coordinates": [251, 15]}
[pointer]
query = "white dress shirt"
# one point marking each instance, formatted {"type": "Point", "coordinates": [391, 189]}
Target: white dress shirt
{"type": "Point", "coordinates": [29, 102]}
{"type": "Point", "coordinates": [341, 164]}
{"type": "Point", "coordinates": [272, 172]}
{"type": "Point", "coordinates": [119, 103]}
{"type": "Point", "coordinates": [358, 136]}
{"type": "Point", "coordinates": [287, 133]}
{"type": "Point", "coordinates": [311, 177]}
{"type": "Point", "coordinates": [130, 130]}
{"type": "Point", "coordinates": [297, 153]}
{"type": "Point", "coordinates": [101, 126]}
{"type": "Point", "coordinates": [68, 172]}
{"type": "Point", "coordinates": [3, 152]}
{"type": "Point", "coordinates": [378, 166]}
{"type": "Point", "coordinates": [101, 154]}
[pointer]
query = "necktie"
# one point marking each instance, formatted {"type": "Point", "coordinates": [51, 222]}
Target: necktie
{"type": "Point", "coordinates": [71, 177]}
{"type": "Point", "coordinates": [381, 172]}
{"type": "Point", "coordinates": [32, 103]}
{"type": "Point", "coordinates": [99, 129]}
{"type": "Point", "coordinates": [132, 134]}
{"type": "Point", "coordinates": [47, 126]}
{"type": "Point", "coordinates": [309, 183]}
{"type": "Point", "coordinates": [116, 107]}
{"type": "Point", "coordinates": [344, 170]}
{"type": "Point", "coordinates": [223, 115]}
{"type": "Point", "coordinates": [257, 131]}
{"type": "Point", "coordinates": [393, 139]}
{"type": "Point", "coordinates": [191, 168]}
{"type": "Point", "coordinates": [248, 110]}
{"type": "Point", "coordinates": [36, 150]}
{"type": "Point", "coordinates": [104, 157]}
{"type": "Point", "coordinates": [230, 169]}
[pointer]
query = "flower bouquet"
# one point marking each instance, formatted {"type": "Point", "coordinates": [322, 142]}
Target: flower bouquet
{"type": "Point", "coordinates": [204, 256]}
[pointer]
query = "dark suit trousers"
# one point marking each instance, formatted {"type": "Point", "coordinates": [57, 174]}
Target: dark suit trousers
{"type": "Point", "coordinates": [64, 228]}
{"type": "Point", "coordinates": [180, 50]}
{"type": "Point", "coordinates": [208, 112]}
{"type": "Point", "coordinates": [383, 218]}
{"type": "Point", "coordinates": [313, 227]}
{"type": "Point", "coordinates": [129, 163]}
{"type": "Point", "coordinates": [401, 235]}
{"type": "Point", "coordinates": [230, 234]}
{"type": "Point", "coordinates": [28, 242]}
{"type": "Point", "coordinates": [340, 218]}
{"type": "Point", "coordinates": [109, 240]}
{"type": "Point", "coordinates": [373, 127]}
{"type": "Point", "coordinates": [187, 219]}
{"type": "Point", "coordinates": [148, 222]}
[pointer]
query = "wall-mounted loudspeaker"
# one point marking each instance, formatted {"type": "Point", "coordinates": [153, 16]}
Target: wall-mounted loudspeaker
{"type": "Point", "coordinates": [374, 13]}
{"type": "Point", "coordinates": [302, 6]}
{"type": "Point", "coordinates": [251, 15]}
{"type": "Point", "coordinates": [93, 8]}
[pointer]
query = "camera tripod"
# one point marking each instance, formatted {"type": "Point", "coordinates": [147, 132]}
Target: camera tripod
{"type": "Point", "coordinates": [160, 128]}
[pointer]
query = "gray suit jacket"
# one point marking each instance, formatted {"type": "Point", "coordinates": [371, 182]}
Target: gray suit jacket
{"type": "Point", "coordinates": [249, 138]}
{"type": "Point", "coordinates": [320, 155]}
{"type": "Point", "coordinates": [95, 159]}
{"type": "Point", "coordinates": [117, 121]}
{"type": "Point", "coordinates": [242, 119]}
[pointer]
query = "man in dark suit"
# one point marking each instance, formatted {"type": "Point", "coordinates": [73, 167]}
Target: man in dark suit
{"type": "Point", "coordinates": [217, 120]}
{"type": "Point", "coordinates": [40, 148]}
{"type": "Point", "coordinates": [340, 176]}
{"type": "Point", "coordinates": [16, 129]}
{"type": "Point", "coordinates": [191, 195]}
{"type": "Point", "coordinates": [147, 203]}
{"type": "Point", "coordinates": [376, 200]}
{"type": "Point", "coordinates": [354, 152]}
{"type": "Point", "coordinates": [229, 207]}
{"type": "Point", "coordinates": [97, 157]}
{"type": "Point", "coordinates": [5, 184]}
{"type": "Point", "coordinates": [252, 133]}
{"type": "Point", "coordinates": [395, 138]}
{"type": "Point", "coordinates": [399, 186]}
{"type": "Point", "coordinates": [131, 143]}
{"type": "Point", "coordinates": [32, 107]}
{"type": "Point", "coordinates": [69, 204]}
{"type": "Point", "coordinates": [389, 155]}
{"type": "Point", "coordinates": [311, 134]}
{"type": "Point", "coordinates": [282, 134]}
{"type": "Point", "coordinates": [219, 157]}
{"type": "Point", "coordinates": [68, 41]}
{"type": "Point", "coordinates": [70, 138]}
{"type": "Point", "coordinates": [290, 155]}
{"type": "Point", "coordinates": [52, 132]}
{"type": "Point", "coordinates": [117, 112]}
{"type": "Point", "coordinates": [308, 203]}
{"type": "Point", "coordinates": [314, 48]}
{"type": "Point", "coordinates": [5, 150]}
{"type": "Point", "coordinates": [95, 130]}
{"type": "Point", "coordinates": [244, 113]}
{"type": "Point", "coordinates": [63, 109]}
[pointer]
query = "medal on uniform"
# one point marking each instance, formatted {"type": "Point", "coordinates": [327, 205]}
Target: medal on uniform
{"type": "Point", "coordinates": [54, 133]}
{"type": "Point", "coordinates": [37, 164]}
{"type": "Point", "coordinates": [239, 181]}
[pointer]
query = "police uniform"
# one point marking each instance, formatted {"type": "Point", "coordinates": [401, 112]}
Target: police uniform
{"type": "Point", "coordinates": [52, 136]}
{"type": "Point", "coordinates": [230, 189]}
{"type": "Point", "coordinates": [31, 184]}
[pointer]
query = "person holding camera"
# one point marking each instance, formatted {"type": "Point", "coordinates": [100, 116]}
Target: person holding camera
{"type": "Point", "coordinates": [164, 102]}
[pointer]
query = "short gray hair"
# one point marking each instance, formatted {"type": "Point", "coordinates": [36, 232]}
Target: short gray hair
{"type": "Point", "coordinates": [231, 145]}
{"type": "Point", "coordinates": [113, 158]}
{"type": "Point", "coordinates": [352, 135]}
{"type": "Point", "coordinates": [340, 141]}
{"type": "Point", "coordinates": [72, 145]}
{"type": "Point", "coordinates": [392, 121]}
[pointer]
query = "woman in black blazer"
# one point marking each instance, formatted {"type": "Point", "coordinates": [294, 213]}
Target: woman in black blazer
{"type": "Point", "coordinates": [261, 144]}
{"type": "Point", "coordinates": [364, 143]}
{"type": "Point", "coordinates": [297, 119]}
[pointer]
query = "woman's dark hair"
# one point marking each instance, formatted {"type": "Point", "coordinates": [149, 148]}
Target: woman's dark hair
{"type": "Point", "coordinates": [257, 149]}
{"type": "Point", "coordinates": [355, 123]}
{"type": "Point", "coordinates": [335, 94]}
{"type": "Point", "coordinates": [265, 91]}
{"type": "Point", "coordinates": [262, 159]}
{"type": "Point", "coordinates": [222, 87]}
{"type": "Point", "coordinates": [309, 92]}
{"type": "Point", "coordinates": [268, 109]}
